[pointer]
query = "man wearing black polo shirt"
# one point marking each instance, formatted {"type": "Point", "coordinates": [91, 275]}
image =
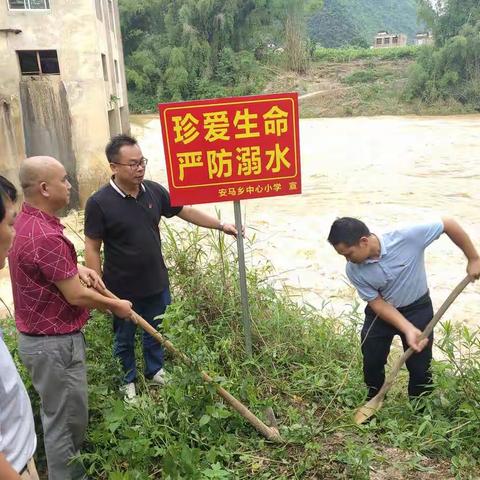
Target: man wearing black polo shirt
{"type": "Point", "coordinates": [124, 215]}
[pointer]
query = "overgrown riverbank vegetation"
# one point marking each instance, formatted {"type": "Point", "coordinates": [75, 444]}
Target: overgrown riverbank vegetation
{"type": "Point", "coordinates": [190, 49]}
{"type": "Point", "coordinates": [365, 86]}
{"type": "Point", "coordinates": [187, 49]}
{"type": "Point", "coordinates": [452, 68]}
{"type": "Point", "coordinates": [306, 366]}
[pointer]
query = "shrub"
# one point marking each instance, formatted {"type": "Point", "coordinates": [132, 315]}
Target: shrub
{"type": "Point", "coordinates": [306, 365]}
{"type": "Point", "coordinates": [349, 54]}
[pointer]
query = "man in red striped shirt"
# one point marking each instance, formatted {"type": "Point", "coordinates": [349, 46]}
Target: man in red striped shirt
{"type": "Point", "coordinates": [51, 309]}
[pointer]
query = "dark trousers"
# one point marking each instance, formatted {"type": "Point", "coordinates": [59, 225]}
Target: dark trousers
{"type": "Point", "coordinates": [124, 330]}
{"type": "Point", "coordinates": [376, 347]}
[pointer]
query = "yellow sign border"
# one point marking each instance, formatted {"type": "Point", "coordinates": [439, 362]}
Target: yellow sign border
{"type": "Point", "coordinates": [264, 100]}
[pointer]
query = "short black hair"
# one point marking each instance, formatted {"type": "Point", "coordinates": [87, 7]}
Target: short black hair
{"type": "Point", "coordinates": [7, 192]}
{"type": "Point", "coordinates": [347, 230]}
{"type": "Point", "coordinates": [116, 143]}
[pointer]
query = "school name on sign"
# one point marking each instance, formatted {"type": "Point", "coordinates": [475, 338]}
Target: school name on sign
{"type": "Point", "coordinates": [232, 148]}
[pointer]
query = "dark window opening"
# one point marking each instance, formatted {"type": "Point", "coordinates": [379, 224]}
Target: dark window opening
{"type": "Point", "coordinates": [104, 66]}
{"type": "Point", "coordinates": [49, 61]}
{"type": "Point", "coordinates": [117, 76]}
{"type": "Point", "coordinates": [29, 4]}
{"type": "Point", "coordinates": [29, 63]}
{"type": "Point", "coordinates": [38, 62]}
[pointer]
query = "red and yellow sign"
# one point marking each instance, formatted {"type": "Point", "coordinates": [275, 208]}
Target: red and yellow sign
{"type": "Point", "coordinates": [232, 148]}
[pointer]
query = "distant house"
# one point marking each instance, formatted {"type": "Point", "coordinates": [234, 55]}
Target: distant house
{"type": "Point", "coordinates": [424, 38]}
{"type": "Point", "coordinates": [388, 40]}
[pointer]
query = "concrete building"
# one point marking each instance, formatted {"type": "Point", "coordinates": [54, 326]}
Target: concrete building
{"type": "Point", "coordinates": [62, 86]}
{"type": "Point", "coordinates": [388, 40]}
{"type": "Point", "coordinates": [424, 38]}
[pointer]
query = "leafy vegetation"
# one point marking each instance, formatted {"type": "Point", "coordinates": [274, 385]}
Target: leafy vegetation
{"type": "Point", "coordinates": [187, 49]}
{"type": "Point", "coordinates": [306, 366]}
{"type": "Point", "coordinates": [184, 49]}
{"type": "Point", "coordinates": [295, 12]}
{"type": "Point", "coordinates": [355, 53]}
{"type": "Point", "coordinates": [355, 22]}
{"type": "Point", "coordinates": [450, 69]}
{"type": "Point", "coordinates": [178, 50]}
{"type": "Point", "coordinates": [364, 76]}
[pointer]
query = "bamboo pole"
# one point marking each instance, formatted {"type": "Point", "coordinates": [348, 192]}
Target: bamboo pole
{"type": "Point", "coordinates": [373, 405]}
{"type": "Point", "coordinates": [271, 434]}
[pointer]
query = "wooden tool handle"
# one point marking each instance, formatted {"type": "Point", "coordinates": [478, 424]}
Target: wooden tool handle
{"type": "Point", "coordinates": [426, 332]}
{"type": "Point", "coordinates": [269, 433]}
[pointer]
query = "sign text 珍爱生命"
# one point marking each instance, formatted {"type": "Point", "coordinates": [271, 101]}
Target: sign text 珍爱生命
{"type": "Point", "coordinates": [232, 148]}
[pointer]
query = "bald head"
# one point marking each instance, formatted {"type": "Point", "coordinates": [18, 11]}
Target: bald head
{"type": "Point", "coordinates": [44, 183]}
{"type": "Point", "coordinates": [35, 170]}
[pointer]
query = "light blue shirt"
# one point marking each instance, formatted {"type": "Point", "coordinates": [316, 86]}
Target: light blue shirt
{"type": "Point", "coordinates": [398, 276]}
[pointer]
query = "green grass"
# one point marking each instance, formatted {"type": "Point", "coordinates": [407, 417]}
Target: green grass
{"type": "Point", "coordinates": [368, 75]}
{"type": "Point", "coordinates": [306, 366]}
{"type": "Point", "coordinates": [349, 54]}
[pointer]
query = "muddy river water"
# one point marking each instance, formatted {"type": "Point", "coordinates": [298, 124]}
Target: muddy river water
{"type": "Point", "coordinates": [388, 171]}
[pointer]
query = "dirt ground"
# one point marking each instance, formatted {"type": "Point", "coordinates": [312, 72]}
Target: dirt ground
{"type": "Point", "coordinates": [327, 90]}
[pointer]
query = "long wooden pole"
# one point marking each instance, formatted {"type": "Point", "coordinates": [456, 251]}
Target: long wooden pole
{"type": "Point", "coordinates": [270, 433]}
{"type": "Point", "coordinates": [247, 327]}
{"type": "Point", "coordinates": [373, 405]}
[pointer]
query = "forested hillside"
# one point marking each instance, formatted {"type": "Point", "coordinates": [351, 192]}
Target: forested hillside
{"type": "Point", "coordinates": [187, 49]}
{"type": "Point", "coordinates": [355, 22]}
{"type": "Point", "coordinates": [184, 49]}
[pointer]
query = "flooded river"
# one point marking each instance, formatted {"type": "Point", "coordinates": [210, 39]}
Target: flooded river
{"type": "Point", "coordinates": [388, 171]}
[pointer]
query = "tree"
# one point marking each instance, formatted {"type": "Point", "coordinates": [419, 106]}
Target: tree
{"type": "Point", "coordinates": [452, 68]}
{"type": "Point", "coordinates": [182, 49]}
{"type": "Point", "coordinates": [446, 18]}
{"type": "Point", "coordinates": [293, 15]}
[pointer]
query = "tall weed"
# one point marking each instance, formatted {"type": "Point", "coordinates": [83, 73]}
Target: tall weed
{"type": "Point", "coordinates": [306, 366]}
{"type": "Point", "coordinates": [351, 53]}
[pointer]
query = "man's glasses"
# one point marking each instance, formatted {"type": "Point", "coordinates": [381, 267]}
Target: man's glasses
{"type": "Point", "coordinates": [134, 165]}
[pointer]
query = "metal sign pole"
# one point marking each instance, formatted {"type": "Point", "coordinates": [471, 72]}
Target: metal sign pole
{"type": "Point", "coordinates": [243, 280]}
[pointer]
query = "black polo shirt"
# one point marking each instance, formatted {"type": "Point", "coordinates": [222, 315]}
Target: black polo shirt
{"type": "Point", "coordinates": [133, 264]}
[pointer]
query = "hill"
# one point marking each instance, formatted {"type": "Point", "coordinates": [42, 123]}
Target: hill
{"type": "Point", "coordinates": [355, 22]}
{"type": "Point", "coordinates": [353, 82]}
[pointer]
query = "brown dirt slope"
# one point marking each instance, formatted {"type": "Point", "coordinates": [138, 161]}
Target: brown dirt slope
{"type": "Point", "coordinates": [360, 87]}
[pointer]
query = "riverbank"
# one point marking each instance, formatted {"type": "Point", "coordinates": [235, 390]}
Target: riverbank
{"type": "Point", "coordinates": [385, 170]}
{"type": "Point", "coordinates": [358, 87]}
{"type": "Point", "coordinates": [306, 365]}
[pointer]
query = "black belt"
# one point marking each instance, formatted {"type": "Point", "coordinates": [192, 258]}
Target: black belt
{"type": "Point", "coordinates": [49, 334]}
{"type": "Point", "coordinates": [423, 300]}
{"type": "Point", "coordinates": [24, 469]}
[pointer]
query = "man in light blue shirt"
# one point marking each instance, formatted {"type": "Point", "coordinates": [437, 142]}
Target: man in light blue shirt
{"type": "Point", "coordinates": [388, 272]}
